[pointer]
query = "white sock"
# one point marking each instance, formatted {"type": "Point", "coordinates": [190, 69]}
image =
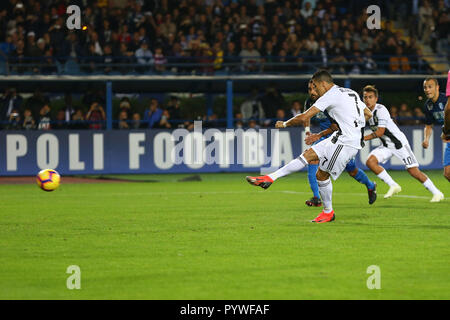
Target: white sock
{"type": "Point", "coordinates": [326, 192]}
{"type": "Point", "coordinates": [431, 187]}
{"type": "Point", "coordinates": [295, 165]}
{"type": "Point", "coordinates": [386, 178]}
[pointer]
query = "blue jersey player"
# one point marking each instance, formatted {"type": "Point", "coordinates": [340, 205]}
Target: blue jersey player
{"type": "Point", "coordinates": [327, 126]}
{"type": "Point", "coordinates": [434, 110]}
{"type": "Point", "coordinates": [446, 131]}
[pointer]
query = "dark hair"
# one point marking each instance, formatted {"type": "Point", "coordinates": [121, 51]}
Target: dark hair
{"type": "Point", "coordinates": [432, 79]}
{"type": "Point", "coordinates": [322, 75]}
{"type": "Point", "coordinates": [371, 88]}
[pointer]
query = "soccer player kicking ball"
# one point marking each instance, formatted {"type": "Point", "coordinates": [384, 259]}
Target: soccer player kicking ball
{"type": "Point", "coordinates": [342, 105]}
{"type": "Point", "coordinates": [394, 143]}
{"type": "Point", "coordinates": [327, 128]}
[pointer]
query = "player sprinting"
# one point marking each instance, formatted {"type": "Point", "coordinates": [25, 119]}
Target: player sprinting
{"type": "Point", "coordinates": [394, 143]}
{"type": "Point", "coordinates": [345, 107]}
{"type": "Point", "coordinates": [434, 110]}
{"type": "Point", "coordinates": [327, 128]}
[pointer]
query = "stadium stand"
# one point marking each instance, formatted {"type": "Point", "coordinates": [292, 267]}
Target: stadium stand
{"type": "Point", "coordinates": [194, 36]}
{"type": "Point", "coordinates": [217, 37]}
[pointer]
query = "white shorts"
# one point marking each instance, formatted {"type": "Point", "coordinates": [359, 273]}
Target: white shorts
{"type": "Point", "coordinates": [333, 157]}
{"type": "Point", "coordinates": [383, 154]}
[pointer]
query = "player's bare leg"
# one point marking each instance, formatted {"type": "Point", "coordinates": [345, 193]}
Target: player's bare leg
{"type": "Point", "coordinates": [427, 183]}
{"type": "Point", "coordinates": [447, 172]}
{"type": "Point", "coordinates": [295, 165]}
{"type": "Point", "coordinates": [394, 187]}
{"type": "Point", "coordinates": [326, 192]}
{"type": "Point", "coordinates": [416, 173]}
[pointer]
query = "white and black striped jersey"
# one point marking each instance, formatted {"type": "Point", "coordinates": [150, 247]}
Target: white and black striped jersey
{"type": "Point", "coordinates": [392, 137]}
{"type": "Point", "coordinates": [345, 107]}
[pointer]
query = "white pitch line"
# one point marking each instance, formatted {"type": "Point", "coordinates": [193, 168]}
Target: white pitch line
{"type": "Point", "coordinates": [228, 192]}
{"type": "Point", "coordinates": [360, 194]}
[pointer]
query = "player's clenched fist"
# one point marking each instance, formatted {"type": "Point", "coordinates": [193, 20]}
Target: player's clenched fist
{"type": "Point", "coordinates": [425, 144]}
{"type": "Point", "coordinates": [445, 137]}
{"type": "Point", "coordinates": [279, 124]}
{"type": "Point", "coordinates": [311, 138]}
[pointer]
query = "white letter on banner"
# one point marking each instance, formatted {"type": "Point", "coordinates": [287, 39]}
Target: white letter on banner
{"type": "Point", "coordinates": [163, 151]}
{"type": "Point", "coordinates": [252, 148]}
{"type": "Point", "coordinates": [16, 146]}
{"type": "Point", "coordinates": [281, 148]}
{"type": "Point", "coordinates": [213, 147]}
{"type": "Point", "coordinates": [47, 151]}
{"type": "Point", "coordinates": [194, 147]}
{"type": "Point", "coordinates": [74, 152]}
{"type": "Point", "coordinates": [179, 145]}
{"type": "Point", "coordinates": [423, 156]}
{"type": "Point", "coordinates": [135, 150]}
{"type": "Point", "coordinates": [98, 151]}
{"type": "Point", "coordinates": [193, 150]}
{"type": "Point", "coordinates": [223, 152]}
{"type": "Point", "coordinates": [227, 149]}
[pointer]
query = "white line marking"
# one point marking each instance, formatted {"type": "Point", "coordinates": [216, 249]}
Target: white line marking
{"type": "Point", "coordinates": [60, 194]}
{"type": "Point", "coordinates": [360, 194]}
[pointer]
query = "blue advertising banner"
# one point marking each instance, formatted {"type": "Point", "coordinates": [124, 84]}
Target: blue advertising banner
{"type": "Point", "coordinates": [176, 151]}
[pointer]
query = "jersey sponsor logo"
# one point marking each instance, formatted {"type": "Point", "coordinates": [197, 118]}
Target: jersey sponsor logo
{"type": "Point", "coordinates": [439, 116]}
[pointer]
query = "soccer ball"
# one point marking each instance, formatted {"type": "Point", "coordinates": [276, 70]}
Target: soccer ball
{"type": "Point", "coordinates": [48, 179]}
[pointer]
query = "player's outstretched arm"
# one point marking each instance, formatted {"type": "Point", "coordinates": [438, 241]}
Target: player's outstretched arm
{"type": "Point", "coordinates": [376, 134]}
{"type": "Point", "coordinates": [307, 126]}
{"type": "Point", "coordinates": [446, 129]}
{"type": "Point", "coordinates": [367, 113]}
{"type": "Point", "coordinates": [427, 135]}
{"type": "Point", "coordinates": [299, 120]}
{"type": "Point", "coordinates": [316, 136]}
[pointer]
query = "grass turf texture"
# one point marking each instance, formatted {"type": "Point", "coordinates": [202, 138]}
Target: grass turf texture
{"type": "Point", "coordinates": [222, 238]}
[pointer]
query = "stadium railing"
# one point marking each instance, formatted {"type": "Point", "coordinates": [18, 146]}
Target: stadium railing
{"type": "Point", "coordinates": [228, 65]}
{"type": "Point", "coordinates": [142, 124]}
{"type": "Point", "coordinates": [227, 86]}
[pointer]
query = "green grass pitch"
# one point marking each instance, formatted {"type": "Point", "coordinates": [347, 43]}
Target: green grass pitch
{"type": "Point", "coordinates": [221, 238]}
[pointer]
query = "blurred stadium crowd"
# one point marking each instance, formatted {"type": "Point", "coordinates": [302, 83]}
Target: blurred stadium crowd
{"type": "Point", "coordinates": [257, 110]}
{"type": "Point", "coordinates": [219, 36]}
{"type": "Point", "coordinates": [207, 37]}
